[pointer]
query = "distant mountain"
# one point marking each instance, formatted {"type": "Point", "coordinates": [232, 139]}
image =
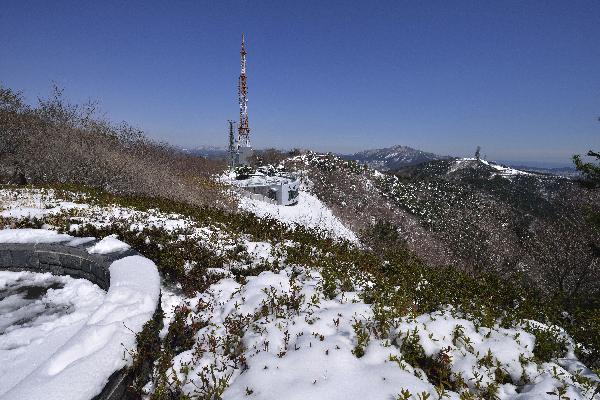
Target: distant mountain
{"type": "Point", "coordinates": [395, 157]}
{"type": "Point", "coordinates": [210, 152]}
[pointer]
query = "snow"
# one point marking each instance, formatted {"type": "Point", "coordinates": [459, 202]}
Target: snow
{"type": "Point", "coordinates": [38, 212]}
{"type": "Point", "coordinates": [32, 236]}
{"type": "Point", "coordinates": [170, 298]}
{"type": "Point", "coordinates": [290, 352]}
{"type": "Point", "coordinates": [110, 244]}
{"type": "Point", "coordinates": [307, 352]}
{"type": "Point", "coordinates": [336, 376]}
{"type": "Point", "coordinates": [82, 355]}
{"type": "Point", "coordinates": [260, 250]}
{"type": "Point", "coordinates": [31, 330]}
{"type": "Point", "coordinates": [507, 171]}
{"type": "Point", "coordinates": [309, 212]}
{"type": "Point", "coordinates": [318, 362]}
{"type": "Point", "coordinates": [502, 170]}
{"type": "Point", "coordinates": [37, 203]}
{"type": "Point", "coordinates": [436, 332]}
{"type": "Point", "coordinates": [315, 361]}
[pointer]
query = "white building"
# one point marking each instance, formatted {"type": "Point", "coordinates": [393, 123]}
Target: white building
{"type": "Point", "coordinates": [280, 189]}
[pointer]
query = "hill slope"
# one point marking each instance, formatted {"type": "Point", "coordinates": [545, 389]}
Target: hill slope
{"type": "Point", "coordinates": [473, 214]}
{"type": "Point", "coordinates": [59, 142]}
{"type": "Point", "coordinates": [259, 310]}
{"type": "Point", "coordinates": [448, 279]}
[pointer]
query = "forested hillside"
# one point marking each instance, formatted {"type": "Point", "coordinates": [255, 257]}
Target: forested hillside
{"type": "Point", "coordinates": [472, 214]}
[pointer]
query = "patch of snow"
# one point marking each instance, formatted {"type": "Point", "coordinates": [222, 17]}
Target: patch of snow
{"type": "Point", "coordinates": [306, 355]}
{"type": "Point", "coordinates": [502, 170]}
{"type": "Point", "coordinates": [308, 352]}
{"type": "Point", "coordinates": [170, 298]}
{"type": "Point", "coordinates": [31, 330]}
{"type": "Point", "coordinates": [309, 212]}
{"type": "Point", "coordinates": [79, 367]}
{"type": "Point", "coordinates": [38, 212]}
{"type": "Point", "coordinates": [37, 203]}
{"type": "Point", "coordinates": [80, 241]}
{"type": "Point", "coordinates": [508, 170]}
{"type": "Point", "coordinates": [32, 236]}
{"type": "Point", "coordinates": [260, 250]}
{"type": "Point", "coordinates": [109, 244]}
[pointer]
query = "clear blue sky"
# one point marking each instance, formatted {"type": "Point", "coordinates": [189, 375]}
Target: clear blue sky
{"type": "Point", "coordinates": [519, 78]}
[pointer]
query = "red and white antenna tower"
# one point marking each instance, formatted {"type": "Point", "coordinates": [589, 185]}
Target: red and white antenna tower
{"type": "Point", "coordinates": [243, 127]}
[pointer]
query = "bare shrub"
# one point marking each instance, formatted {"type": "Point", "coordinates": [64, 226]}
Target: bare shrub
{"type": "Point", "coordinates": [60, 142]}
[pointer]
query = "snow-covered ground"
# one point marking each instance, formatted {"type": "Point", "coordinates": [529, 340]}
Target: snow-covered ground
{"type": "Point", "coordinates": [33, 236]}
{"type": "Point", "coordinates": [39, 203]}
{"type": "Point", "coordinates": [49, 353]}
{"type": "Point", "coordinates": [277, 336]}
{"type": "Point", "coordinates": [501, 169]}
{"type": "Point", "coordinates": [32, 328]}
{"type": "Point", "coordinates": [309, 212]}
{"type": "Point", "coordinates": [297, 344]}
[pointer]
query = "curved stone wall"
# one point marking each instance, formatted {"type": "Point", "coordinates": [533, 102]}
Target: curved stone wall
{"type": "Point", "coordinates": [59, 259]}
{"type": "Point", "coordinates": [75, 261]}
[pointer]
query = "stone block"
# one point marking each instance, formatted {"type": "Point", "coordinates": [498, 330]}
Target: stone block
{"type": "Point", "coordinates": [47, 257]}
{"type": "Point", "coordinates": [70, 261]}
{"type": "Point", "coordinates": [75, 273]}
{"type": "Point", "coordinates": [5, 259]}
{"type": "Point", "coordinates": [21, 258]}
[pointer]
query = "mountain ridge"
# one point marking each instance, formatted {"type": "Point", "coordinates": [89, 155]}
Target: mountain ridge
{"type": "Point", "coordinates": [394, 157]}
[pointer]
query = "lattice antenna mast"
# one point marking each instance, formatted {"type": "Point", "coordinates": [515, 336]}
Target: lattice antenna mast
{"type": "Point", "coordinates": [232, 146]}
{"type": "Point", "coordinates": [243, 128]}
